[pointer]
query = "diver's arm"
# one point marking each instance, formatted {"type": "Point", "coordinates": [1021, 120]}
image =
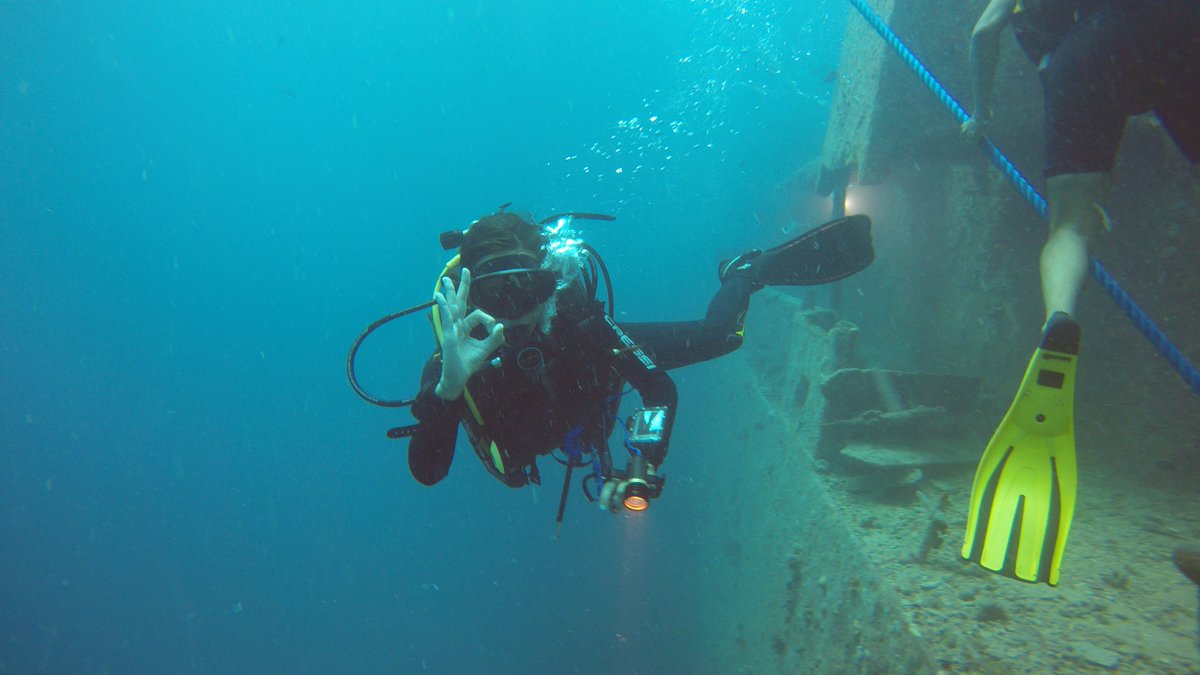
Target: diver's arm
{"type": "Point", "coordinates": [431, 448]}
{"type": "Point", "coordinates": [649, 428]}
{"type": "Point", "coordinates": [658, 391]}
{"type": "Point", "coordinates": [985, 54]}
{"type": "Point", "coordinates": [652, 382]}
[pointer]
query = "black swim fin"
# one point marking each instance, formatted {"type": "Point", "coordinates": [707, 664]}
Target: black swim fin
{"type": "Point", "coordinates": [822, 255]}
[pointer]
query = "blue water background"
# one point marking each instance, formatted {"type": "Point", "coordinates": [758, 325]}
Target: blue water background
{"type": "Point", "coordinates": [202, 203]}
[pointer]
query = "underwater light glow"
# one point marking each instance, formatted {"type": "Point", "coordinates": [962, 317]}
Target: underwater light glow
{"type": "Point", "coordinates": [636, 503]}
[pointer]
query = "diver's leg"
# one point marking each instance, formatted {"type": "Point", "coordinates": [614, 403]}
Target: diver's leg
{"type": "Point", "coordinates": [1085, 115]}
{"type": "Point", "coordinates": [681, 343]}
{"type": "Point", "coordinates": [1076, 222]}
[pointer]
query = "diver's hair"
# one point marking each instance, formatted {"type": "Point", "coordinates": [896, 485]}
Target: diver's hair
{"type": "Point", "coordinates": [500, 233]}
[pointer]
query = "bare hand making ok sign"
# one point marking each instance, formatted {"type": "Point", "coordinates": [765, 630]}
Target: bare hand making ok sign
{"type": "Point", "coordinates": [462, 355]}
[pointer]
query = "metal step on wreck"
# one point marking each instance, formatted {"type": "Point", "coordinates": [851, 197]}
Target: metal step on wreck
{"type": "Point", "coordinates": [885, 432]}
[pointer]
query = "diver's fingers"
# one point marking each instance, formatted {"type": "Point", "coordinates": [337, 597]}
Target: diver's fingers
{"type": "Point", "coordinates": [449, 293]}
{"type": "Point", "coordinates": [477, 318]}
{"type": "Point", "coordinates": [464, 290]}
{"type": "Point", "coordinates": [606, 494]}
{"type": "Point", "coordinates": [443, 311]}
{"type": "Point", "coordinates": [496, 339]}
{"type": "Point", "coordinates": [611, 494]}
{"type": "Point", "coordinates": [488, 321]}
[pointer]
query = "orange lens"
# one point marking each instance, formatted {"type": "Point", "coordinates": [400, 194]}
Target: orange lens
{"type": "Point", "coordinates": [636, 503]}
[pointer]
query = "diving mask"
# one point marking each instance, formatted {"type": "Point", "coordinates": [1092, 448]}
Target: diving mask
{"type": "Point", "coordinates": [512, 290]}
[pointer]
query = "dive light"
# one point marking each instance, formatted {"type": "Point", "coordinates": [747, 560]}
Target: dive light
{"type": "Point", "coordinates": [644, 428]}
{"type": "Point", "coordinates": [642, 485]}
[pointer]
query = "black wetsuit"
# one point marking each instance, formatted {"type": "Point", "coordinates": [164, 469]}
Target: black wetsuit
{"type": "Point", "coordinates": [1106, 60]}
{"type": "Point", "coordinates": [546, 387]}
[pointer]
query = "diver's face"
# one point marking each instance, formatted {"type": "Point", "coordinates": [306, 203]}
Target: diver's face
{"type": "Point", "coordinates": [519, 329]}
{"type": "Point", "coordinates": [530, 318]}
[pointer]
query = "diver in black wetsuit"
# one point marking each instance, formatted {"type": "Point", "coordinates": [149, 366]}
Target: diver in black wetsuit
{"type": "Point", "coordinates": [529, 361]}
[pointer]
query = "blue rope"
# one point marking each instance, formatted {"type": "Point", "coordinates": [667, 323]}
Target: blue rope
{"type": "Point", "coordinates": [1161, 342]}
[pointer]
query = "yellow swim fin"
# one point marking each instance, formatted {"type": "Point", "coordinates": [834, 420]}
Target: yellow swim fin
{"type": "Point", "coordinates": [1024, 492]}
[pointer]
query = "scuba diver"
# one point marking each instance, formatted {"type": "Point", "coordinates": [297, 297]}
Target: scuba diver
{"type": "Point", "coordinates": [529, 360]}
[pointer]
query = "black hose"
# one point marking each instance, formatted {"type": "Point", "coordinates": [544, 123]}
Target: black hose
{"type": "Point", "coordinates": [350, 375]}
{"type": "Point", "coordinates": [562, 503]}
{"type": "Point", "coordinates": [586, 492]}
{"type": "Point", "coordinates": [593, 254]}
{"type": "Point", "coordinates": [576, 214]}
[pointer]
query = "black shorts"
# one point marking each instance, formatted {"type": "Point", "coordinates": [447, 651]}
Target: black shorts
{"type": "Point", "coordinates": [1127, 59]}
